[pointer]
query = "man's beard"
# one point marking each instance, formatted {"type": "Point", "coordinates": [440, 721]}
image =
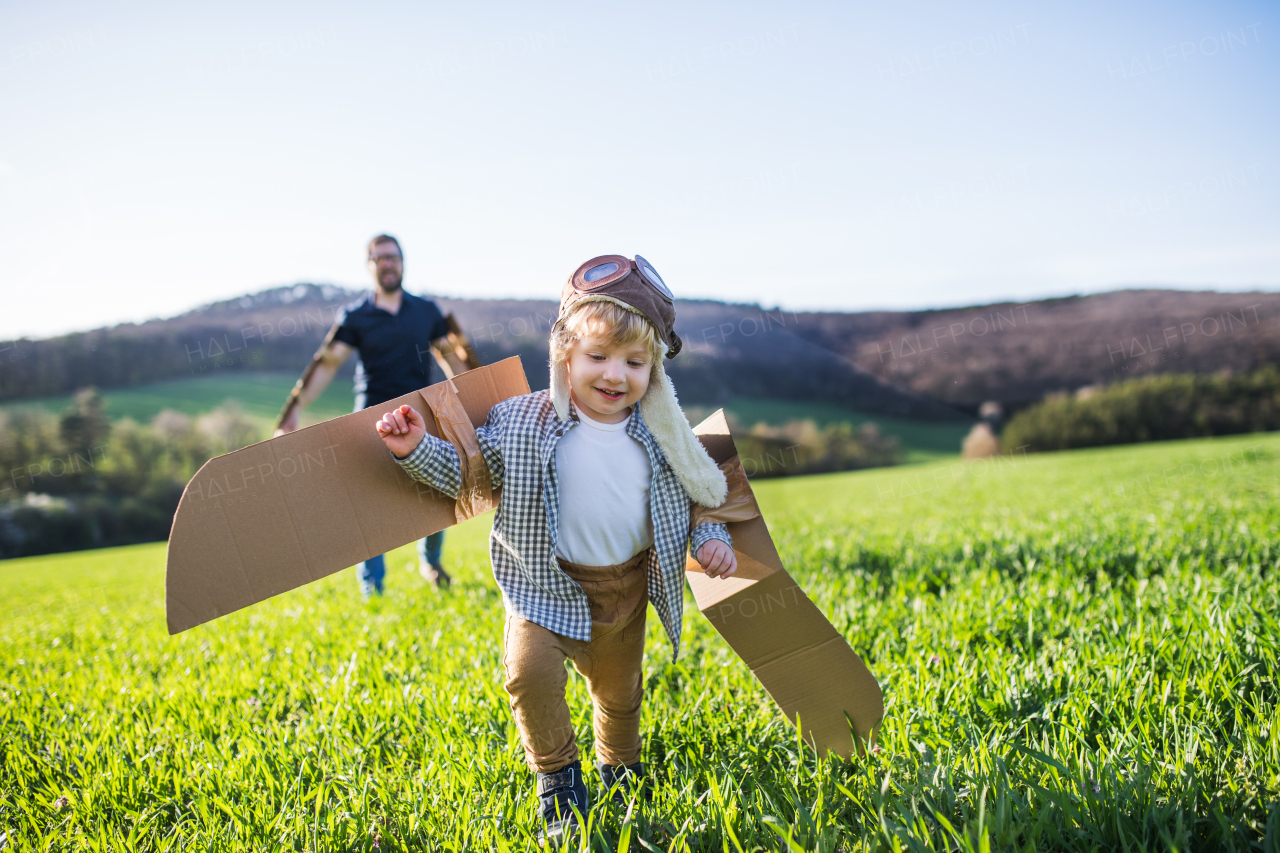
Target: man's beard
{"type": "Point", "coordinates": [391, 286]}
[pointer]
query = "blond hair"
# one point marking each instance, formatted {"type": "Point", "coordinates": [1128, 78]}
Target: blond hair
{"type": "Point", "coordinates": [603, 319]}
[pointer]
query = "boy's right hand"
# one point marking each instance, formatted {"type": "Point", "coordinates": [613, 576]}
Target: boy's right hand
{"type": "Point", "coordinates": [402, 430]}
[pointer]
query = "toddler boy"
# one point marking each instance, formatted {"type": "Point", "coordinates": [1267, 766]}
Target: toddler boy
{"type": "Point", "coordinates": [598, 476]}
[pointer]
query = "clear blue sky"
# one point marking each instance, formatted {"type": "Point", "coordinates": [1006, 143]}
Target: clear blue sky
{"type": "Point", "coordinates": [812, 155]}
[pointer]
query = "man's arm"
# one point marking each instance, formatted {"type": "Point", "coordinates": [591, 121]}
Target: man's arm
{"type": "Point", "coordinates": [317, 378]}
{"type": "Point", "coordinates": [447, 357]}
{"type": "Point", "coordinates": [452, 349]}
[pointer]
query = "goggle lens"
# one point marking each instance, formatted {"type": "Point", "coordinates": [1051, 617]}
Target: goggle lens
{"type": "Point", "coordinates": [650, 274]}
{"type": "Point", "coordinates": [598, 272]}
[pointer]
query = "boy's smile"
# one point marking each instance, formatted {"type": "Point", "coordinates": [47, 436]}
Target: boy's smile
{"type": "Point", "coordinates": [607, 379]}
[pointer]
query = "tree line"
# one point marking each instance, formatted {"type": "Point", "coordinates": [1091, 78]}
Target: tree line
{"type": "Point", "coordinates": [803, 447]}
{"type": "Point", "coordinates": [1152, 408]}
{"type": "Point", "coordinates": [110, 358]}
{"type": "Point", "coordinates": [75, 480]}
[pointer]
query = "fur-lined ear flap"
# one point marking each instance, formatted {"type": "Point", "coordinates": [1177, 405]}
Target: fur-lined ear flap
{"type": "Point", "coordinates": [560, 389]}
{"type": "Point", "coordinates": [696, 470]}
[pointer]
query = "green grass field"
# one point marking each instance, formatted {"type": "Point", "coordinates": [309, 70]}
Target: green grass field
{"type": "Point", "coordinates": [1078, 652]}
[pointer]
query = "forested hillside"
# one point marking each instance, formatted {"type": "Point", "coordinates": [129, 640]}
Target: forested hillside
{"type": "Point", "coordinates": [894, 363]}
{"type": "Point", "coordinates": [731, 350]}
{"type": "Point", "coordinates": [1017, 353]}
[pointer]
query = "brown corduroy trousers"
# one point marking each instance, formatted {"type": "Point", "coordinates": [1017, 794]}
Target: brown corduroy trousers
{"type": "Point", "coordinates": [534, 661]}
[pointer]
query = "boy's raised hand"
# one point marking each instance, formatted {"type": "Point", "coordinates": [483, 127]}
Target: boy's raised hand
{"type": "Point", "coordinates": [717, 559]}
{"type": "Point", "coordinates": [402, 430]}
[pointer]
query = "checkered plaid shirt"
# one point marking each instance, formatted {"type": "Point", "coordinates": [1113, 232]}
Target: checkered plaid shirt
{"type": "Point", "coordinates": [519, 445]}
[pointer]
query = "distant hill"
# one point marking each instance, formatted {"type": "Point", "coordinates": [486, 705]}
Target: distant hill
{"type": "Point", "coordinates": [1018, 352]}
{"type": "Point", "coordinates": [729, 351]}
{"type": "Point", "coordinates": [277, 329]}
{"type": "Point", "coordinates": [920, 365]}
{"type": "Point", "coordinates": [732, 351]}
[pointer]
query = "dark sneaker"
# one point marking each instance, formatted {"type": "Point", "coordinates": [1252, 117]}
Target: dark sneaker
{"type": "Point", "coordinates": [435, 575]}
{"type": "Point", "coordinates": [561, 792]}
{"type": "Point", "coordinates": [628, 778]}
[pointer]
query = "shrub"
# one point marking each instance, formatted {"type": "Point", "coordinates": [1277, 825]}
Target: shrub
{"type": "Point", "coordinates": [75, 481]}
{"type": "Point", "coordinates": [1155, 408]}
{"type": "Point", "coordinates": [801, 447]}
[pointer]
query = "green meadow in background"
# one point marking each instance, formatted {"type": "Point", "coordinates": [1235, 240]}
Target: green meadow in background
{"type": "Point", "coordinates": [260, 396]}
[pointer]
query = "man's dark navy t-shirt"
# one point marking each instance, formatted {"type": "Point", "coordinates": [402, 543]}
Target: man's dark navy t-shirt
{"type": "Point", "coordinates": [395, 349]}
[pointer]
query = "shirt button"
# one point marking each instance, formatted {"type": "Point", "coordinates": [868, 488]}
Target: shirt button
{"type": "Point", "coordinates": [559, 432]}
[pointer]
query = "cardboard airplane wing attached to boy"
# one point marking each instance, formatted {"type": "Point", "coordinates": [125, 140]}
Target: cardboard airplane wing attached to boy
{"type": "Point", "coordinates": [288, 511]}
{"type": "Point", "coordinates": [796, 653]}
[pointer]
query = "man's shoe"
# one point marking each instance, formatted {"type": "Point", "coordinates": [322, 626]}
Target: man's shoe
{"type": "Point", "coordinates": [628, 778]}
{"type": "Point", "coordinates": [561, 792]}
{"type": "Point", "coordinates": [435, 575]}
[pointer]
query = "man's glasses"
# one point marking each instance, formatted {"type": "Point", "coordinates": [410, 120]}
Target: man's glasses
{"type": "Point", "coordinates": [377, 259]}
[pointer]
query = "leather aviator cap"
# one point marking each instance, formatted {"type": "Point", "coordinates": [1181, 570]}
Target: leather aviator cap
{"type": "Point", "coordinates": [634, 282]}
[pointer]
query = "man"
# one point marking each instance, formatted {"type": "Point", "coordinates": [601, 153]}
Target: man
{"type": "Point", "coordinates": [394, 333]}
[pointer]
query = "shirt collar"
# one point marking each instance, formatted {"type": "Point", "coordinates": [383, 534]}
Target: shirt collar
{"type": "Point", "coordinates": [636, 427]}
{"type": "Point", "coordinates": [372, 302]}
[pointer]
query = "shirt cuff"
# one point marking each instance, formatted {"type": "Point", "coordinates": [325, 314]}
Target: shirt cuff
{"type": "Point", "coordinates": [435, 462]}
{"type": "Point", "coordinates": [704, 533]}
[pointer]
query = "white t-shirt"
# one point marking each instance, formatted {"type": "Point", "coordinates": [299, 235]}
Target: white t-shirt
{"type": "Point", "coordinates": [604, 479]}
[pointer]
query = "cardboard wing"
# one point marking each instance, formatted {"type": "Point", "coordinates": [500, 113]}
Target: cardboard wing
{"type": "Point", "coordinates": [456, 344]}
{"type": "Point", "coordinates": [800, 658]}
{"type": "Point", "coordinates": [462, 344]}
{"type": "Point", "coordinates": [285, 512]}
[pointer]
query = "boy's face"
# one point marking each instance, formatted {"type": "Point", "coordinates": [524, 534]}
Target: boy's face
{"type": "Point", "coordinates": [608, 379]}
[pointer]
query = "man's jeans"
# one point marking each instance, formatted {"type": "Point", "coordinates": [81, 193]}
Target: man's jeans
{"type": "Point", "coordinates": [371, 573]}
